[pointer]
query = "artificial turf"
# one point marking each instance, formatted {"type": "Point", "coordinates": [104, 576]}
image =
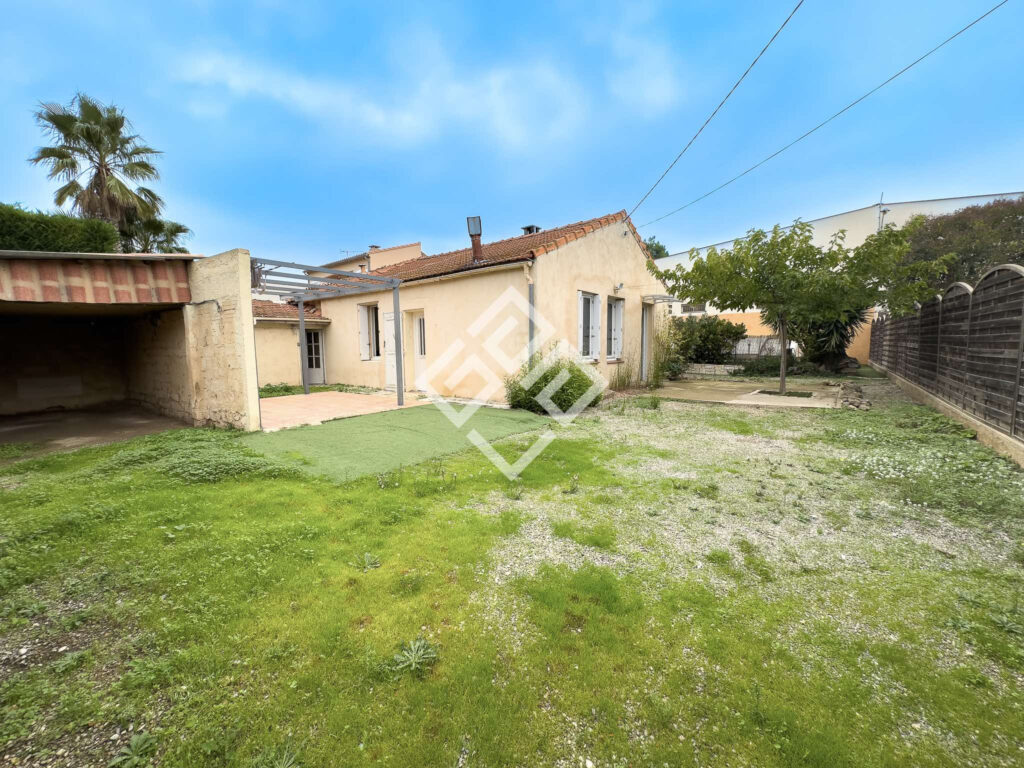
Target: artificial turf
{"type": "Point", "coordinates": [348, 448]}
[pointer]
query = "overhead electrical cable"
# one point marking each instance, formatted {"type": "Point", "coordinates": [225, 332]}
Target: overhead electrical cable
{"type": "Point", "coordinates": [823, 123]}
{"type": "Point", "coordinates": [715, 112]}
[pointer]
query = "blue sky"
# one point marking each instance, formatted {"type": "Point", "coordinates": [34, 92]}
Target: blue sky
{"type": "Point", "coordinates": [300, 130]}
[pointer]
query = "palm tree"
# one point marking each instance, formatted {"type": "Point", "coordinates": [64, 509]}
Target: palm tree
{"type": "Point", "coordinates": [153, 236]}
{"type": "Point", "coordinates": [99, 160]}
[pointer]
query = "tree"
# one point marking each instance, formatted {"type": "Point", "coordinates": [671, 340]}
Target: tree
{"type": "Point", "coordinates": [655, 249]}
{"type": "Point", "coordinates": [794, 282]}
{"type": "Point", "coordinates": [99, 160]}
{"type": "Point", "coordinates": [978, 237]}
{"type": "Point", "coordinates": [153, 236]}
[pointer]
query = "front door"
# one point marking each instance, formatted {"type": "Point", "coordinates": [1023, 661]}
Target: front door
{"type": "Point", "coordinates": [388, 342]}
{"type": "Point", "coordinates": [314, 358]}
{"type": "Point", "coordinates": [419, 352]}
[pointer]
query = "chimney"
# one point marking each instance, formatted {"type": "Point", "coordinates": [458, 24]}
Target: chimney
{"type": "Point", "coordinates": [531, 229]}
{"type": "Point", "coordinates": [473, 225]}
{"type": "Point", "coordinates": [373, 248]}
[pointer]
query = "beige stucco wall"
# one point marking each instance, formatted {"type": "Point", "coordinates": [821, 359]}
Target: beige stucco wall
{"type": "Point", "coordinates": [449, 307]}
{"type": "Point", "coordinates": [596, 264]}
{"type": "Point", "coordinates": [221, 342]}
{"type": "Point", "coordinates": [277, 353]}
{"type": "Point", "coordinates": [157, 366]}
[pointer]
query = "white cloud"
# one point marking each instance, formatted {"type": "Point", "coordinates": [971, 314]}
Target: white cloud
{"type": "Point", "coordinates": [518, 106]}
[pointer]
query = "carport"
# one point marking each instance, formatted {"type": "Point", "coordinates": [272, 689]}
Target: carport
{"type": "Point", "coordinates": [170, 334]}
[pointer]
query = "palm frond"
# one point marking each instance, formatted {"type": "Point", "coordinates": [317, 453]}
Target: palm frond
{"type": "Point", "coordinates": [69, 191]}
{"type": "Point", "coordinates": [139, 169]}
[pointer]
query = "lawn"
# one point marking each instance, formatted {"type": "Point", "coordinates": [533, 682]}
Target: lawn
{"type": "Point", "coordinates": [348, 448]}
{"type": "Point", "coordinates": [668, 584]}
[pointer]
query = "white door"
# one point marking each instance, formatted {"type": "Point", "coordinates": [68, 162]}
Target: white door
{"type": "Point", "coordinates": [388, 342]}
{"type": "Point", "coordinates": [314, 358]}
{"type": "Point", "coordinates": [419, 351]}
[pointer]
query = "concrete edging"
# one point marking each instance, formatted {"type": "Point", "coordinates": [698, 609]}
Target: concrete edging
{"type": "Point", "coordinates": [998, 441]}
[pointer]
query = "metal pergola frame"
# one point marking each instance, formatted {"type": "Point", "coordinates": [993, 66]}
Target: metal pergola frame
{"type": "Point", "coordinates": [308, 282]}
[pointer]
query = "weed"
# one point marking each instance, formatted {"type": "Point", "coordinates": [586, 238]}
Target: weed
{"type": "Point", "coordinates": [282, 757]}
{"type": "Point", "coordinates": [414, 657]}
{"type": "Point", "coordinates": [367, 562]}
{"type": "Point", "coordinates": [138, 752]}
{"type": "Point", "coordinates": [573, 486]}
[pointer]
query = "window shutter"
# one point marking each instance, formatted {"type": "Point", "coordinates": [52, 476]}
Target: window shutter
{"type": "Point", "coordinates": [579, 315]}
{"type": "Point", "coordinates": [595, 327]}
{"type": "Point", "coordinates": [610, 340]}
{"type": "Point", "coordinates": [620, 326]}
{"type": "Point", "coordinates": [364, 333]}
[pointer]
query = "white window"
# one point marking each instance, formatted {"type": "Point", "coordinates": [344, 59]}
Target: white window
{"type": "Point", "coordinates": [615, 312]}
{"type": "Point", "coordinates": [369, 331]}
{"type": "Point", "coordinates": [589, 325]}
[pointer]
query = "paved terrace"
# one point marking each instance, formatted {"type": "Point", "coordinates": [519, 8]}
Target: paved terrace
{"type": "Point", "coordinates": [299, 410]}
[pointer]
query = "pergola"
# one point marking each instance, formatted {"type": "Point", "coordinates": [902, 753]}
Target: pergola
{"type": "Point", "coordinates": [308, 282]}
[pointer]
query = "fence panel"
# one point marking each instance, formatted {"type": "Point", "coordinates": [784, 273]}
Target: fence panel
{"type": "Point", "coordinates": [930, 316]}
{"type": "Point", "coordinates": [953, 332]}
{"type": "Point", "coordinates": [992, 366]}
{"type": "Point", "coordinates": [966, 347]}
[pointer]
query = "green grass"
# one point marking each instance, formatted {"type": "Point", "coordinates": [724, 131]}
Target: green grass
{"type": "Point", "coordinates": [763, 605]}
{"type": "Point", "coordinates": [382, 442]}
{"type": "Point", "coordinates": [10, 451]}
{"type": "Point", "coordinates": [280, 390]}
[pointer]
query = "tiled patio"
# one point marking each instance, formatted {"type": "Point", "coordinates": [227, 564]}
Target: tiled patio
{"type": "Point", "coordinates": [318, 407]}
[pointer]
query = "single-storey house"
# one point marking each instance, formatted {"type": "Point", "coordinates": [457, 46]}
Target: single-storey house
{"type": "Point", "coordinates": [471, 316]}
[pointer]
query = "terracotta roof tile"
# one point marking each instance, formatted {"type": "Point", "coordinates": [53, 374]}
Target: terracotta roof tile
{"type": "Point", "coordinates": [275, 310]}
{"type": "Point", "coordinates": [511, 250]}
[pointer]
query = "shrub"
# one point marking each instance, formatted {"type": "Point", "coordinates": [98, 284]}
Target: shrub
{"type": "Point", "coordinates": [706, 339]}
{"type": "Point", "coordinates": [22, 230]}
{"type": "Point", "coordinates": [565, 397]}
{"type": "Point", "coordinates": [767, 366]}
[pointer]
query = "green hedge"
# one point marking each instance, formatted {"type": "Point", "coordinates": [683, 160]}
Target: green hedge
{"type": "Point", "coordinates": [567, 395]}
{"type": "Point", "coordinates": [22, 230]}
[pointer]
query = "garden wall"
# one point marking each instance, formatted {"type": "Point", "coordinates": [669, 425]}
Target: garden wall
{"type": "Point", "coordinates": [965, 347]}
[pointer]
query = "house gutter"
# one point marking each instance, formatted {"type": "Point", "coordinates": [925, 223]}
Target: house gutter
{"type": "Point", "coordinates": [293, 320]}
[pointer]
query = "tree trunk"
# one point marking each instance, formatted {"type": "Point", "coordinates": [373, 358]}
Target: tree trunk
{"type": "Point", "coordinates": [784, 357]}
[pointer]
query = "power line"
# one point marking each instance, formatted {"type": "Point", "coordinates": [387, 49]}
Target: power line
{"type": "Point", "coordinates": [829, 120]}
{"type": "Point", "coordinates": [720, 105]}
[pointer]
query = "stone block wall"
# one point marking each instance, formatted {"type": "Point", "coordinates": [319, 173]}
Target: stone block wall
{"type": "Point", "coordinates": [220, 341]}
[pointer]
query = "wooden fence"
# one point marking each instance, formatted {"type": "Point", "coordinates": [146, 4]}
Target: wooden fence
{"type": "Point", "coordinates": [965, 347]}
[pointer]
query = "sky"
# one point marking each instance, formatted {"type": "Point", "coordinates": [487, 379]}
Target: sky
{"type": "Point", "coordinates": [306, 130]}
